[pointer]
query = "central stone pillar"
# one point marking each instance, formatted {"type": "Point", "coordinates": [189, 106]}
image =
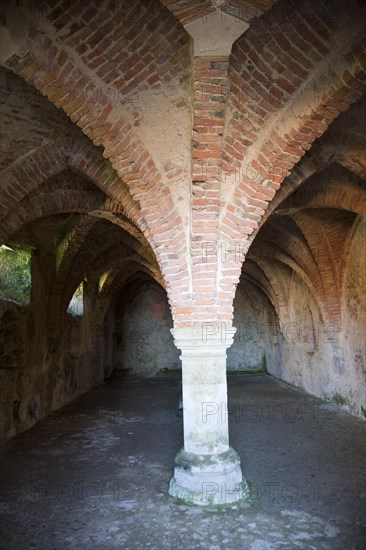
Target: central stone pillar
{"type": "Point", "coordinates": [207, 471]}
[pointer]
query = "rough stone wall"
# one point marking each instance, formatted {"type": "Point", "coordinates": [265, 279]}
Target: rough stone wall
{"type": "Point", "coordinates": [326, 359]}
{"type": "Point", "coordinates": [143, 342]}
{"type": "Point", "coordinates": [254, 317]}
{"type": "Point", "coordinates": [12, 322]}
{"type": "Point", "coordinates": [31, 389]}
{"type": "Point", "coordinates": [352, 383]}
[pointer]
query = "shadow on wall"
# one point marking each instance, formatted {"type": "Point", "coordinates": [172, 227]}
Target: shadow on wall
{"type": "Point", "coordinates": [36, 380]}
{"type": "Point", "coordinates": [143, 343]}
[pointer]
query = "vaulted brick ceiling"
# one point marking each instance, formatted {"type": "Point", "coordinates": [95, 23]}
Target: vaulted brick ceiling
{"type": "Point", "coordinates": [97, 108]}
{"type": "Point", "coordinates": [246, 10]}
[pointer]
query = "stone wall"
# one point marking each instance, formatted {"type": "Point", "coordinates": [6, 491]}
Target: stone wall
{"type": "Point", "coordinates": [253, 317]}
{"type": "Point", "coordinates": [143, 342]}
{"type": "Point", "coordinates": [324, 358]}
{"type": "Point", "coordinates": [36, 382]}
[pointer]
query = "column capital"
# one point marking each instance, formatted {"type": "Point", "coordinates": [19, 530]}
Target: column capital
{"type": "Point", "coordinates": [214, 34]}
{"type": "Point", "coordinates": [210, 338]}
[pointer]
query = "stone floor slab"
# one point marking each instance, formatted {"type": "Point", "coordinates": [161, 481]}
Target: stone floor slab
{"type": "Point", "coordinates": [95, 475]}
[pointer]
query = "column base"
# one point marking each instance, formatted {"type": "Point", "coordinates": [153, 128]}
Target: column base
{"type": "Point", "coordinates": [208, 480]}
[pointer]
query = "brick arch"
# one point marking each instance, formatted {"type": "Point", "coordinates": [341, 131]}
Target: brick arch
{"type": "Point", "coordinates": [273, 78]}
{"type": "Point", "coordinates": [284, 121]}
{"type": "Point", "coordinates": [62, 291]}
{"type": "Point", "coordinates": [186, 12]}
{"type": "Point", "coordinates": [338, 195]}
{"type": "Point", "coordinates": [84, 160]}
{"type": "Point", "coordinates": [112, 211]}
{"type": "Point", "coordinates": [25, 175]}
{"type": "Point", "coordinates": [104, 235]}
{"type": "Point", "coordinates": [45, 199]}
{"type": "Point", "coordinates": [277, 273]}
{"type": "Point", "coordinates": [29, 121]}
{"type": "Point", "coordinates": [283, 241]}
{"type": "Point", "coordinates": [31, 171]}
{"type": "Point", "coordinates": [36, 207]}
{"type": "Point", "coordinates": [272, 252]}
{"type": "Point", "coordinates": [245, 10]}
{"type": "Point", "coordinates": [75, 249]}
{"type": "Point", "coordinates": [257, 276]}
{"type": "Point", "coordinates": [52, 68]}
{"type": "Point", "coordinates": [71, 245]}
{"type": "Point", "coordinates": [58, 196]}
{"type": "Point", "coordinates": [318, 256]}
{"type": "Point", "coordinates": [285, 234]}
{"type": "Point", "coordinates": [79, 258]}
{"type": "Point", "coordinates": [127, 31]}
{"type": "Point", "coordinates": [117, 278]}
{"type": "Point", "coordinates": [116, 281]}
{"type": "Point", "coordinates": [104, 245]}
{"type": "Point", "coordinates": [326, 233]}
{"type": "Point", "coordinates": [104, 262]}
{"type": "Point", "coordinates": [354, 158]}
{"type": "Point", "coordinates": [61, 297]}
{"type": "Point", "coordinates": [333, 148]}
